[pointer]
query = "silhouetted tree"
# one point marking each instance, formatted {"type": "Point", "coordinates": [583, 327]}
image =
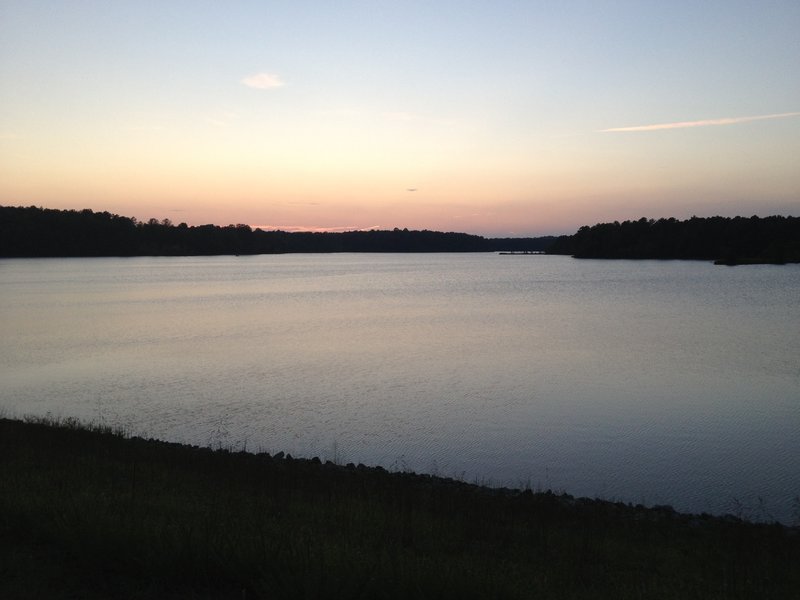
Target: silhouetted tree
{"type": "Point", "coordinates": [774, 239]}
{"type": "Point", "coordinates": [36, 231]}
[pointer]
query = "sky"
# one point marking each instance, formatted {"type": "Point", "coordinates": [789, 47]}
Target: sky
{"type": "Point", "coordinates": [501, 118]}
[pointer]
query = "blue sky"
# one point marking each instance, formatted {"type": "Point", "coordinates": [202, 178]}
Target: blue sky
{"type": "Point", "coordinates": [506, 118]}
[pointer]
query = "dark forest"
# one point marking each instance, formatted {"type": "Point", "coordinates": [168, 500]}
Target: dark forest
{"type": "Point", "coordinates": [40, 232]}
{"type": "Point", "coordinates": [736, 240]}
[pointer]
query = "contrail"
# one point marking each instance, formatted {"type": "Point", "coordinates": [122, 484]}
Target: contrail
{"type": "Point", "coordinates": [704, 123]}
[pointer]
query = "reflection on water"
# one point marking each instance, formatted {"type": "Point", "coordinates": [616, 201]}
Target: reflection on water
{"type": "Point", "coordinates": [655, 382]}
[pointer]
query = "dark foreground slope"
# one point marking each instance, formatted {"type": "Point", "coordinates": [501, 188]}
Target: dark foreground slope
{"type": "Point", "coordinates": [87, 514]}
{"type": "Point", "coordinates": [731, 241]}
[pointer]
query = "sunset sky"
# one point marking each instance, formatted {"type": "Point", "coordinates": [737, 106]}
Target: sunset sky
{"type": "Point", "coordinates": [497, 118]}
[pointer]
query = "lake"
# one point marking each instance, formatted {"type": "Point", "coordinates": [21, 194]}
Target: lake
{"type": "Point", "coordinates": [660, 382]}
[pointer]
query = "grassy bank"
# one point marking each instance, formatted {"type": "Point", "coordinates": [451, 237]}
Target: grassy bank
{"type": "Point", "coordinates": [93, 514]}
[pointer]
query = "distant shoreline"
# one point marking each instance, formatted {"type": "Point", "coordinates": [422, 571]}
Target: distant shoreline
{"type": "Point", "coordinates": [31, 232]}
{"type": "Point", "coordinates": [725, 241]}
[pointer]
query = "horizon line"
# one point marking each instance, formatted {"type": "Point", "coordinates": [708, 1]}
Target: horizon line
{"type": "Point", "coordinates": [304, 229]}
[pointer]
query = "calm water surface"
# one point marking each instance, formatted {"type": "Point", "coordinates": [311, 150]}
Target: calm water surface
{"type": "Point", "coordinates": [657, 382]}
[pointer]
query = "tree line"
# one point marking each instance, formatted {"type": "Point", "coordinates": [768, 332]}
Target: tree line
{"type": "Point", "coordinates": [39, 232]}
{"type": "Point", "coordinates": [726, 240]}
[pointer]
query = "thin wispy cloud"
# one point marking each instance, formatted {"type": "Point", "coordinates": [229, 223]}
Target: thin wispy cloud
{"type": "Point", "coordinates": [263, 81]}
{"type": "Point", "coordinates": [343, 113]}
{"type": "Point", "coordinates": [703, 123]}
{"type": "Point", "coordinates": [401, 116]}
{"type": "Point", "coordinates": [146, 128]}
{"type": "Point", "coordinates": [221, 119]}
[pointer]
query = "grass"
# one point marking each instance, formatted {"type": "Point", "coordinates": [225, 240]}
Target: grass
{"type": "Point", "coordinates": [86, 512]}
